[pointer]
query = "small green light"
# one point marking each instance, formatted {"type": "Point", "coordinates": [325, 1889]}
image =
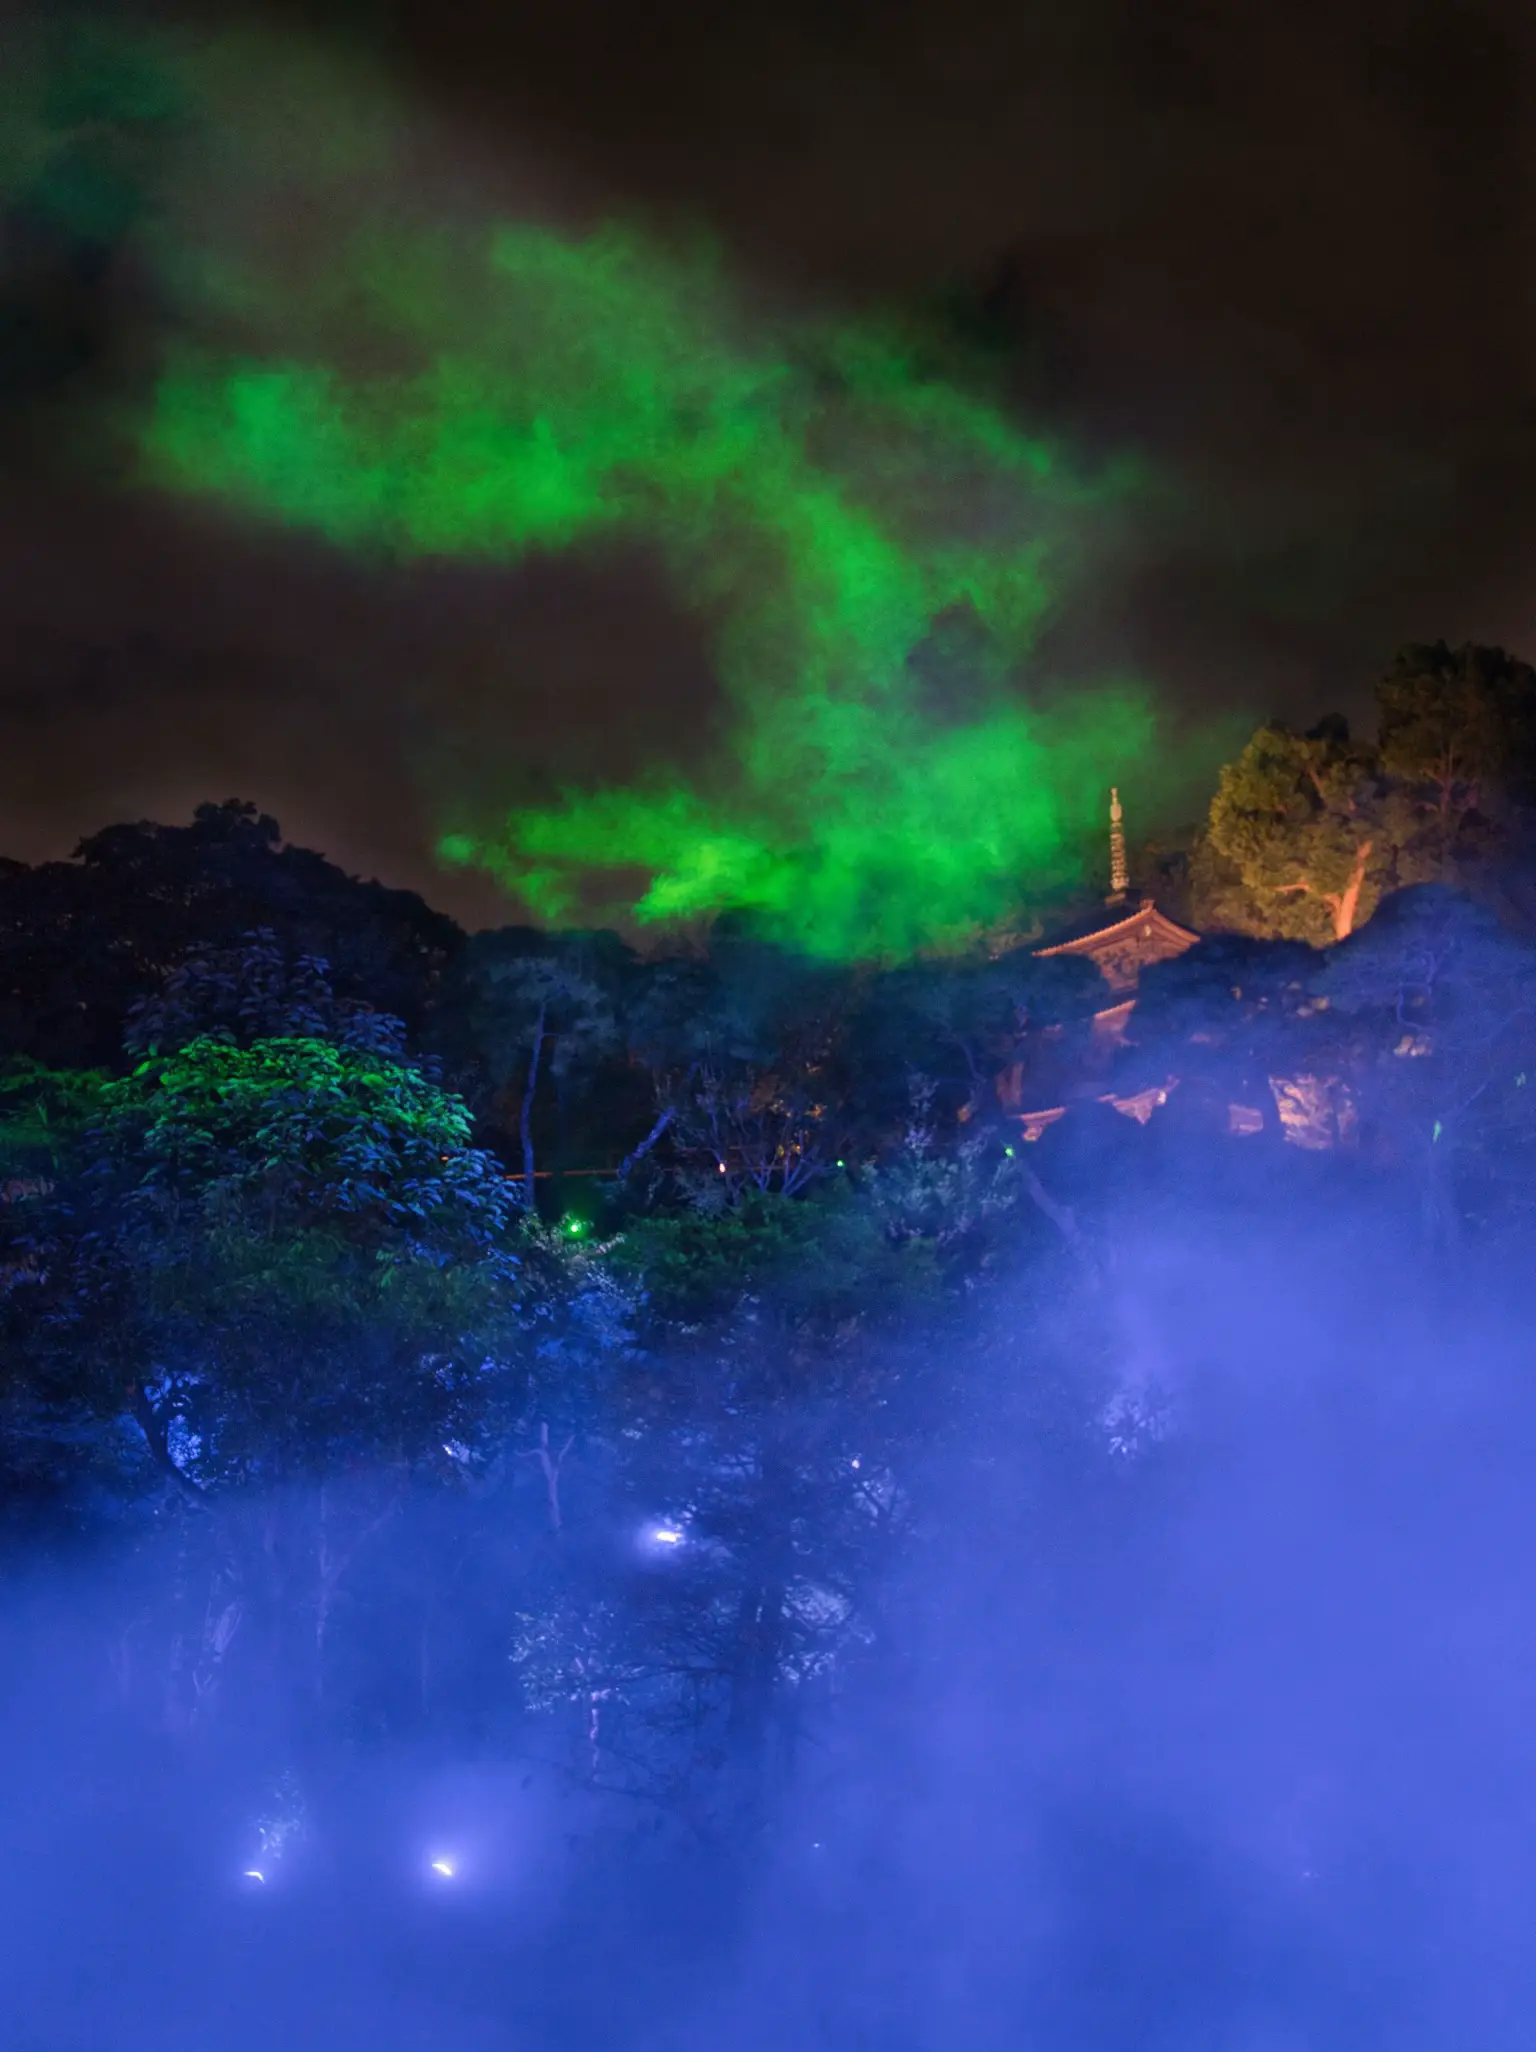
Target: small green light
{"type": "Point", "coordinates": [1009, 1152]}
{"type": "Point", "coordinates": [575, 1227]}
{"type": "Point", "coordinates": [842, 1164]}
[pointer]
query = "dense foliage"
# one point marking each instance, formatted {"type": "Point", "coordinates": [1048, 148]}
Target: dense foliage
{"type": "Point", "coordinates": [518, 1337]}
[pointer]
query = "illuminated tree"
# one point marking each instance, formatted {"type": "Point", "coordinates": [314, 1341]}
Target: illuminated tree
{"type": "Point", "coordinates": [1307, 832]}
{"type": "Point", "coordinates": [256, 990]}
{"type": "Point", "coordinates": [1313, 832]}
{"type": "Point", "coordinates": [43, 1116]}
{"type": "Point", "coordinates": [288, 1267]}
{"type": "Point", "coordinates": [281, 1257]}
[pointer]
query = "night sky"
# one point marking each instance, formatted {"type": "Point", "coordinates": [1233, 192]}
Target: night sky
{"type": "Point", "coordinates": [1282, 253]}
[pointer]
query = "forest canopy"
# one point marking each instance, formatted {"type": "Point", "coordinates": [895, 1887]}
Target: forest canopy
{"type": "Point", "coordinates": [310, 1200]}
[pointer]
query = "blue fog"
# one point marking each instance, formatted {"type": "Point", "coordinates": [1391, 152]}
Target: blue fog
{"type": "Point", "coordinates": [1197, 1719]}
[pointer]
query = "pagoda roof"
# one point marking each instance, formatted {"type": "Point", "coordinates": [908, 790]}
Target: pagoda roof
{"type": "Point", "coordinates": [1125, 946]}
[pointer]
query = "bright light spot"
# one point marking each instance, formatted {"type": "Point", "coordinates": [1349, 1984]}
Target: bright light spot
{"type": "Point", "coordinates": [254, 1874]}
{"type": "Point", "coordinates": [854, 1462]}
{"type": "Point", "coordinates": [443, 1867]}
{"type": "Point", "coordinates": [721, 1166]}
{"type": "Point", "coordinates": [575, 1227]}
{"type": "Point", "coordinates": [1009, 1152]}
{"type": "Point", "coordinates": [842, 1164]}
{"type": "Point", "coordinates": [666, 1535]}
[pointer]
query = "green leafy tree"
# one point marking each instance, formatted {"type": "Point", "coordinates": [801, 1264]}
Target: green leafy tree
{"type": "Point", "coordinates": [791, 1355]}
{"type": "Point", "coordinates": [1313, 833]}
{"type": "Point", "coordinates": [282, 1256]}
{"type": "Point", "coordinates": [43, 1115]}
{"type": "Point", "coordinates": [288, 1267]}
{"type": "Point", "coordinates": [256, 989]}
{"type": "Point", "coordinates": [1307, 832]}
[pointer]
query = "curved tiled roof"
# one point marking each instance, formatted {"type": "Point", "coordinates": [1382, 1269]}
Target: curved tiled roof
{"type": "Point", "coordinates": [1121, 950]}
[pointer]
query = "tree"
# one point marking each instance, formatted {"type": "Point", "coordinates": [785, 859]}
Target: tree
{"type": "Point", "coordinates": [761, 1425]}
{"type": "Point", "coordinates": [1459, 726]}
{"type": "Point", "coordinates": [288, 1267]}
{"type": "Point", "coordinates": [528, 1006]}
{"type": "Point", "coordinates": [43, 1115]}
{"type": "Point", "coordinates": [1307, 832]}
{"type": "Point", "coordinates": [1313, 831]}
{"type": "Point", "coordinates": [256, 990]}
{"type": "Point", "coordinates": [1442, 1000]}
{"type": "Point", "coordinates": [1442, 733]}
{"type": "Point", "coordinates": [745, 1052]}
{"type": "Point", "coordinates": [972, 1029]}
{"type": "Point", "coordinates": [82, 942]}
{"type": "Point", "coordinates": [271, 1252]}
{"type": "Point", "coordinates": [1223, 1018]}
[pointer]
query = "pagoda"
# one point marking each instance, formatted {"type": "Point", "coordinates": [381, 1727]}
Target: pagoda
{"type": "Point", "coordinates": [1120, 948]}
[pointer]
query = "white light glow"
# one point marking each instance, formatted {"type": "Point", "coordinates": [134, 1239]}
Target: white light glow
{"type": "Point", "coordinates": [254, 1874]}
{"type": "Point", "coordinates": [443, 1867]}
{"type": "Point", "coordinates": [666, 1535]}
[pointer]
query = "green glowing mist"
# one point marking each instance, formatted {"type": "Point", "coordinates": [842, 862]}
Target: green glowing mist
{"type": "Point", "coordinates": [843, 514]}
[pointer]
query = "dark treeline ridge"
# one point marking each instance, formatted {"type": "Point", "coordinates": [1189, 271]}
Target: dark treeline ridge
{"type": "Point", "coordinates": [517, 1344]}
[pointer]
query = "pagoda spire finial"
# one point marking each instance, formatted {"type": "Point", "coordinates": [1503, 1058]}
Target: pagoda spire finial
{"type": "Point", "coordinates": [1119, 875]}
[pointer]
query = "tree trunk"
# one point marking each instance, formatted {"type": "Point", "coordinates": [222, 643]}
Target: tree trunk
{"type": "Point", "coordinates": [327, 1571]}
{"type": "Point", "coordinates": [175, 1709]}
{"type": "Point", "coordinates": [550, 1462]}
{"type": "Point", "coordinates": [221, 1620]}
{"type": "Point", "coordinates": [1439, 1217]}
{"type": "Point", "coordinates": [639, 1153]}
{"type": "Point", "coordinates": [1347, 903]}
{"type": "Point", "coordinates": [157, 1439]}
{"type": "Point", "coordinates": [525, 1122]}
{"type": "Point", "coordinates": [559, 1071]}
{"type": "Point", "coordinates": [759, 1632]}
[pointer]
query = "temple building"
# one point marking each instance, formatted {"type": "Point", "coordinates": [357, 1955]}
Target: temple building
{"type": "Point", "coordinates": [1312, 1112]}
{"type": "Point", "coordinates": [1120, 949]}
{"type": "Point", "coordinates": [1120, 952]}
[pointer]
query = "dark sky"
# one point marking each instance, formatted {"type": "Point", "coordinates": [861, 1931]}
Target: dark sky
{"type": "Point", "coordinates": [1286, 251]}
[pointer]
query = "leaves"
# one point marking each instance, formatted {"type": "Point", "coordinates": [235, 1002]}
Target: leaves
{"type": "Point", "coordinates": [290, 1253]}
